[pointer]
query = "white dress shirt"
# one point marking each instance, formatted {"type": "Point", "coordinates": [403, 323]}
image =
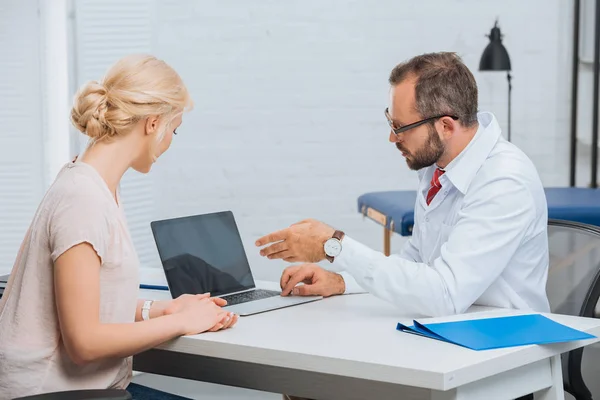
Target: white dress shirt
{"type": "Point", "coordinates": [483, 239]}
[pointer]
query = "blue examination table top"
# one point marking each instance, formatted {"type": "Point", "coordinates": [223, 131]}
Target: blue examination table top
{"type": "Point", "coordinates": [566, 203]}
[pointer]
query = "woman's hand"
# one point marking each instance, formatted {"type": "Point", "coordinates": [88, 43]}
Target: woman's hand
{"type": "Point", "coordinates": [225, 323]}
{"type": "Point", "coordinates": [200, 313]}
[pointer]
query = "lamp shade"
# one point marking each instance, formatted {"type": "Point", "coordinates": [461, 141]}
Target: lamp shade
{"type": "Point", "coordinates": [495, 57]}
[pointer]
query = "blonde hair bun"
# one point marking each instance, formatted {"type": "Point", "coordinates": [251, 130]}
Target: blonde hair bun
{"type": "Point", "coordinates": [135, 87]}
{"type": "Point", "coordinates": [89, 111]}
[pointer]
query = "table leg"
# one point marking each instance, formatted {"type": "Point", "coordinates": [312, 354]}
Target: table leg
{"type": "Point", "coordinates": [556, 391]}
{"type": "Point", "coordinates": [544, 378]}
{"type": "Point", "coordinates": [387, 236]}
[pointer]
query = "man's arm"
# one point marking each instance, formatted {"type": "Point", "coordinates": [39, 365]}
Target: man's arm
{"type": "Point", "coordinates": [480, 246]}
{"type": "Point", "coordinates": [490, 227]}
{"type": "Point", "coordinates": [409, 251]}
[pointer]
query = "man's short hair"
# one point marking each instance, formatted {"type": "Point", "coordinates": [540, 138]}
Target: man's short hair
{"type": "Point", "coordinates": [444, 86]}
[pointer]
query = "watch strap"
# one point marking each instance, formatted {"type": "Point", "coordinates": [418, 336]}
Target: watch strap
{"type": "Point", "coordinates": [339, 235]}
{"type": "Point", "coordinates": [146, 309]}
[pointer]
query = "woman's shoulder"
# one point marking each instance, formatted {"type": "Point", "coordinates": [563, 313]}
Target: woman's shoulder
{"type": "Point", "coordinates": [79, 180]}
{"type": "Point", "coordinates": [78, 193]}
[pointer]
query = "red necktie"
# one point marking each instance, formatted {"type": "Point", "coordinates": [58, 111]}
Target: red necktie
{"type": "Point", "coordinates": [435, 184]}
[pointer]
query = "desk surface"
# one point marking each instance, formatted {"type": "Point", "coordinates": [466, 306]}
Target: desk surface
{"type": "Point", "coordinates": [355, 336]}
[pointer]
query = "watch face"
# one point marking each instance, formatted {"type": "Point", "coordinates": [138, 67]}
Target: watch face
{"type": "Point", "coordinates": [333, 247]}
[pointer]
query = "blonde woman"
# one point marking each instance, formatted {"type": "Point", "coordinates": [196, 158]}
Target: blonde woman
{"type": "Point", "coordinates": [70, 318]}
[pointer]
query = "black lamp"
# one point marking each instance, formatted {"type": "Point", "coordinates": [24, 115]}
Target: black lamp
{"type": "Point", "coordinates": [495, 58]}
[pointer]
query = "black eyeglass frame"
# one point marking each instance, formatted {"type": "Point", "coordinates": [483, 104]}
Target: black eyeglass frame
{"type": "Point", "coordinates": [405, 128]}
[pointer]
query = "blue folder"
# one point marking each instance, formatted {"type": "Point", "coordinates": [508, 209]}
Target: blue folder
{"type": "Point", "coordinates": [498, 332]}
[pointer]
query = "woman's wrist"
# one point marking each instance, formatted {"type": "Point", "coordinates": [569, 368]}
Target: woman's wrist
{"type": "Point", "coordinates": [157, 309]}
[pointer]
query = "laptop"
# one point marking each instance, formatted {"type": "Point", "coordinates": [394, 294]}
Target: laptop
{"type": "Point", "coordinates": [204, 254]}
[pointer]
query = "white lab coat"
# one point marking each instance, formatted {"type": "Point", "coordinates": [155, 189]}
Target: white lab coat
{"type": "Point", "coordinates": [482, 240]}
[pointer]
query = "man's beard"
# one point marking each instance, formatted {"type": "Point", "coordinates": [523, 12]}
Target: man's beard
{"type": "Point", "coordinates": [428, 155]}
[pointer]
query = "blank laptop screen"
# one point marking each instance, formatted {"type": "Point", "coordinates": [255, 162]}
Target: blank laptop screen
{"type": "Point", "coordinates": [202, 253]}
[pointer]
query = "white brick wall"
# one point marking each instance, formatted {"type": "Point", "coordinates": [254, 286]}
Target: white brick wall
{"type": "Point", "coordinates": [290, 95]}
{"type": "Point", "coordinates": [21, 123]}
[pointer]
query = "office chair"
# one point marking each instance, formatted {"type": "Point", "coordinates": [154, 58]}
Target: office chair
{"type": "Point", "coordinates": [99, 394]}
{"type": "Point", "coordinates": [573, 288]}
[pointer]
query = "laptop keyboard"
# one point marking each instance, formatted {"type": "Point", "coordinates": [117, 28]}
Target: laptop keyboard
{"type": "Point", "coordinates": [257, 294]}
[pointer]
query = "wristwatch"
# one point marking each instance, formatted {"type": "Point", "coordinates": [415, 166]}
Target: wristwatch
{"type": "Point", "coordinates": [146, 309]}
{"type": "Point", "coordinates": [333, 246]}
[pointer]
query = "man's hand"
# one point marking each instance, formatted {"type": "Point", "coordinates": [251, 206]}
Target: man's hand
{"type": "Point", "coordinates": [301, 242]}
{"type": "Point", "coordinates": [317, 281]}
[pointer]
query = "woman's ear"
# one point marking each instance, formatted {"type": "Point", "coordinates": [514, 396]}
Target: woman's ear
{"type": "Point", "coordinates": [151, 124]}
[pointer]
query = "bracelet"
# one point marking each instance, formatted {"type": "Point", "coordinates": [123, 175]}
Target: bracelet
{"type": "Point", "coordinates": [146, 309]}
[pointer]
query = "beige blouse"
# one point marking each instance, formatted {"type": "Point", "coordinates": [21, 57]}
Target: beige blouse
{"type": "Point", "coordinates": [77, 208]}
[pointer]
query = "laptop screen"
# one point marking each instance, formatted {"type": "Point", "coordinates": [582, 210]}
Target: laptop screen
{"type": "Point", "coordinates": [202, 253]}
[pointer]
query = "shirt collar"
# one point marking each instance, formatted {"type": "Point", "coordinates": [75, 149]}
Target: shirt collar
{"type": "Point", "coordinates": [461, 171]}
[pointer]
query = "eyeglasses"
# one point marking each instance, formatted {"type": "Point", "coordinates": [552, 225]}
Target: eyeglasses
{"type": "Point", "coordinates": [404, 128]}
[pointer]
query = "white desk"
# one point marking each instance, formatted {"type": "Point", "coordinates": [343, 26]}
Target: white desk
{"type": "Point", "coordinates": [347, 347]}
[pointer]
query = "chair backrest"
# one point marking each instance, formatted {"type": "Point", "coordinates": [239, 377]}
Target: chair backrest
{"type": "Point", "coordinates": [574, 268]}
{"type": "Point", "coordinates": [573, 285]}
{"type": "Point", "coordinates": [3, 281]}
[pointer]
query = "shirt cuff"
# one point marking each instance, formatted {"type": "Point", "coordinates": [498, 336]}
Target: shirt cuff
{"type": "Point", "coordinates": [352, 287]}
{"type": "Point", "coordinates": [344, 261]}
{"type": "Point", "coordinates": [346, 264]}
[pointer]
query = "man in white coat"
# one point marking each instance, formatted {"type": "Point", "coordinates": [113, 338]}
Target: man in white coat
{"type": "Point", "coordinates": [480, 232]}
